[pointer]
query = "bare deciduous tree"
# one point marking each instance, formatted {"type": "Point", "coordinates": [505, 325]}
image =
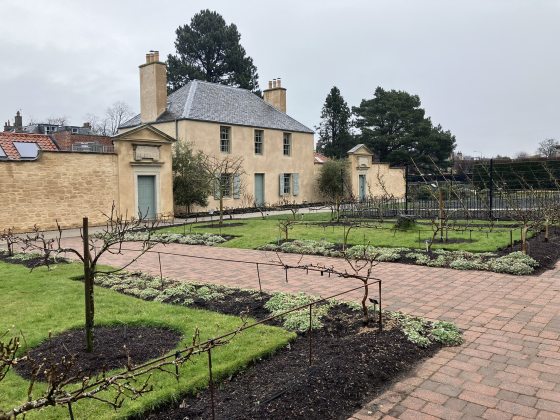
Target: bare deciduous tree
{"type": "Point", "coordinates": [226, 173]}
{"type": "Point", "coordinates": [110, 240]}
{"type": "Point", "coordinates": [548, 148]}
{"type": "Point", "coordinates": [60, 120]}
{"type": "Point", "coordinates": [115, 115]}
{"type": "Point", "coordinates": [11, 239]}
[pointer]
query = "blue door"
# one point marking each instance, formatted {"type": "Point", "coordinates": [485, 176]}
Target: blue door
{"type": "Point", "coordinates": [362, 186]}
{"type": "Point", "coordinates": [147, 196]}
{"type": "Point", "coordinates": [259, 190]}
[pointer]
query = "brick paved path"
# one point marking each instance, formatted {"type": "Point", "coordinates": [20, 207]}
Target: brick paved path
{"type": "Point", "coordinates": [509, 366]}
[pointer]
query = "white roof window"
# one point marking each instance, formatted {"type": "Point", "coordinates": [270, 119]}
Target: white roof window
{"type": "Point", "coordinates": [27, 150]}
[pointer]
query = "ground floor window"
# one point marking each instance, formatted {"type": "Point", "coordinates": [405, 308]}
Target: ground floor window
{"type": "Point", "coordinates": [289, 184]}
{"type": "Point", "coordinates": [227, 185]}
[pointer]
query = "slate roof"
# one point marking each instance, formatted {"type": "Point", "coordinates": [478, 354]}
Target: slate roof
{"type": "Point", "coordinates": [7, 140]}
{"type": "Point", "coordinates": [204, 101]}
{"type": "Point", "coordinates": [358, 147]}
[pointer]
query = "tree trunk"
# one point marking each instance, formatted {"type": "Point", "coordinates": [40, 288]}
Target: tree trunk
{"type": "Point", "coordinates": [88, 288]}
{"type": "Point", "coordinates": [364, 303]}
{"type": "Point", "coordinates": [524, 239]}
{"type": "Point", "coordinates": [546, 231]}
{"type": "Point", "coordinates": [221, 210]}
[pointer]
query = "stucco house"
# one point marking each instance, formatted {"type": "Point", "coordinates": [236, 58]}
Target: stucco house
{"type": "Point", "coordinates": [224, 121]}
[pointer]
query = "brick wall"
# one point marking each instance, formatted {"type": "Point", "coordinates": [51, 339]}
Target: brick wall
{"type": "Point", "coordinates": [58, 186]}
{"type": "Point", "coordinates": [65, 139]}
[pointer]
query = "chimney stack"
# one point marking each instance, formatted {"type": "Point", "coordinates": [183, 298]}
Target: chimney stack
{"type": "Point", "coordinates": [275, 95]}
{"type": "Point", "coordinates": [153, 88]}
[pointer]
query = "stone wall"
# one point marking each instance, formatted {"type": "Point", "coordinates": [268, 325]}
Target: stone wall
{"type": "Point", "coordinates": [57, 186]}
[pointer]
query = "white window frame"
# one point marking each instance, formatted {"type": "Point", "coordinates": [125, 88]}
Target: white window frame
{"type": "Point", "coordinates": [287, 184]}
{"type": "Point", "coordinates": [225, 141]}
{"type": "Point", "coordinates": [259, 134]}
{"type": "Point", "coordinates": [287, 144]}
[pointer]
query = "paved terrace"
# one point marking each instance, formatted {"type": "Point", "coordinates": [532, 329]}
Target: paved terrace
{"type": "Point", "coordinates": [508, 367]}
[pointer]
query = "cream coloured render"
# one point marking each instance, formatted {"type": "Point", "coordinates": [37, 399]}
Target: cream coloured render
{"type": "Point", "coordinates": [381, 179]}
{"type": "Point", "coordinates": [130, 167]}
{"type": "Point", "coordinates": [205, 136]}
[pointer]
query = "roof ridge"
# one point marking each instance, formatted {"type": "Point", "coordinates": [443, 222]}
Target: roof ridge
{"type": "Point", "coordinates": [190, 97]}
{"type": "Point", "coordinates": [221, 85]}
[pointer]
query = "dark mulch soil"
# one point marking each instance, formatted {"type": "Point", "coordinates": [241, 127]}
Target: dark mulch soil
{"type": "Point", "coordinates": [246, 210]}
{"type": "Point", "coordinates": [350, 366]}
{"type": "Point", "coordinates": [546, 253]}
{"type": "Point", "coordinates": [142, 344]}
{"type": "Point", "coordinates": [34, 262]}
{"type": "Point", "coordinates": [224, 225]}
{"type": "Point", "coordinates": [240, 302]}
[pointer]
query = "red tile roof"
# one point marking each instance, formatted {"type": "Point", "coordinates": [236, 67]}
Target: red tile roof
{"type": "Point", "coordinates": [320, 158]}
{"type": "Point", "coordinates": [7, 140]}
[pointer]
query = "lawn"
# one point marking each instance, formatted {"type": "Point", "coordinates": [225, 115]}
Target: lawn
{"type": "Point", "coordinates": [257, 232]}
{"type": "Point", "coordinates": [43, 301]}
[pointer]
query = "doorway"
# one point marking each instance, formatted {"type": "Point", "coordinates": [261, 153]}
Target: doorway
{"type": "Point", "coordinates": [362, 187]}
{"type": "Point", "coordinates": [147, 196]}
{"type": "Point", "coordinates": [259, 190]}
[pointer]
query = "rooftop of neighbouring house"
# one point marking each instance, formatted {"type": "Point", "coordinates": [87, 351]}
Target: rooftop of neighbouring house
{"type": "Point", "coordinates": [24, 146]}
{"type": "Point", "coordinates": [213, 102]}
{"type": "Point", "coordinates": [319, 158]}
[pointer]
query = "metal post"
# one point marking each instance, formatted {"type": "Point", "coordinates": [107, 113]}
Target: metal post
{"type": "Point", "coordinates": [406, 189]}
{"type": "Point", "coordinates": [380, 316]}
{"type": "Point", "coordinates": [88, 286]}
{"type": "Point", "coordinates": [259, 277]}
{"type": "Point", "coordinates": [70, 412]}
{"type": "Point", "coordinates": [160, 270]}
{"type": "Point", "coordinates": [211, 382]}
{"type": "Point", "coordinates": [309, 334]}
{"type": "Point", "coordinates": [491, 190]}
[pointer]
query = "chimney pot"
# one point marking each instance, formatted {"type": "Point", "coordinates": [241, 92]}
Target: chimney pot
{"type": "Point", "coordinates": [275, 95]}
{"type": "Point", "coordinates": [147, 58]}
{"type": "Point", "coordinates": [156, 55]}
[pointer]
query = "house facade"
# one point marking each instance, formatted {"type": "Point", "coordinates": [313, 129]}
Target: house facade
{"type": "Point", "coordinates": [224, 122]}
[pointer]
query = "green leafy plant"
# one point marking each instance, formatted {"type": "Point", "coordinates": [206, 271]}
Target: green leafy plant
{"type": "Point", "coordinates": [298, 320]}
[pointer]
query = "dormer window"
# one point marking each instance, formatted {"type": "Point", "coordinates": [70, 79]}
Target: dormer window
{"type": "Point", "coordinates": [2, 154]}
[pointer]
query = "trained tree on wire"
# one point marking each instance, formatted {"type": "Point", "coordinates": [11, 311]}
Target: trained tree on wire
{"type": "Point", "coordinates": [114, 234]}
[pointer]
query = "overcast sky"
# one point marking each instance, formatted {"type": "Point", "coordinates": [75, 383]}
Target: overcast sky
{"type": "Point", "coordinates": [488, 70]}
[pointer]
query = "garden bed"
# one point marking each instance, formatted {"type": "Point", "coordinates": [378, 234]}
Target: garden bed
{"type": "Point", "coordinates": [351, 363]}
{"type": "Point", "coordinates": [113, 347]}
{"type": "Point", "coordinates": [350, 366]}
{"type": "Point", "coordinates": [546, 254]}
{"type": "Point", "coordinates": [503, 261]}
{"type": "Point", "coordinates": [30, 259]}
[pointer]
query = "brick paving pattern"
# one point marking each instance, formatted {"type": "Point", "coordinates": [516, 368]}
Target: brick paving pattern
{"type": "Point", "coordinates": [508, 367]}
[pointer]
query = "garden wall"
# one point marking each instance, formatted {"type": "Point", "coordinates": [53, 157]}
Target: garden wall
{"type": "Point", "coordinates": [57, 186]}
